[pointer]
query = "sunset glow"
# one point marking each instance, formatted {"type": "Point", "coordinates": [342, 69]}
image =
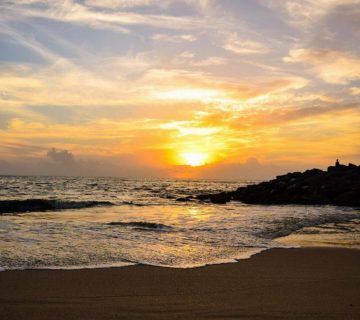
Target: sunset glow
{"type": "Point", "coordinates": [178, 88]}
{"type": "Point", "coordinates": [195, 159]}
{"type": "Point", "coordinates": [157, 158]}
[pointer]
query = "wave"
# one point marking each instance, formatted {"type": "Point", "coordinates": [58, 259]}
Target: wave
{"type": "Point", "coordinates": [142, 225]}
{"type": "Point", "coordinates": [286, 226]}
{"type": "Point", "coordinates": [33, 205]}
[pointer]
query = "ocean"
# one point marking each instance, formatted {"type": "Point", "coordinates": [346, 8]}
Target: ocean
{"type": "Point", "coordinates": [107, 222]}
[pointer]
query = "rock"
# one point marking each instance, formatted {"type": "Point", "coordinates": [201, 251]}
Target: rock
{"type": "Point", "coordinates": [339, 185]}
{"type": "Point", "coordinates": [218, 198]}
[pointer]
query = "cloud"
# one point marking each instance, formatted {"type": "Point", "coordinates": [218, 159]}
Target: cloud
{"type": "Point", "coordinates": [59, 114]}
{"type": "Point", "coordinates": [116, 4]}
{"type": "Point", "coordinates": [28, 42]}
{"type": "Point", "coordinates": [211, 61]}
{"type": "Point", "coordinates": [238, 45]}
{"type": "Point", "coordinates": [309, 112]}
{"type": "Point", "coordinates": [174, 38]}
{"type": "Point", "coordinates": [134, 80]}
{"type": "Point", "coordinates": [82, 14]}
{"type": "Point", "coordinates": [122, 4]}
{"type": "Point", "coordinates": [307, 13]}
{"type": "Point", "coordinates": [262, 89]}
{"type": "Point", "coordinates": [271, 118]}
{"type": "Point", "coordinates": [329, 65]}
{"type": "Point", "coordinates": [65, 83]}
{"type": "Point", "coordinates": [63, 157]}
{"type": "Point", "coordinates": [355, 91]}
{"type": "Point", "coordinates": [63, 163]}
{"type": "Point", "coordinates": [5, 117]}
{"type": "Point", "coordinates": [188, 58]}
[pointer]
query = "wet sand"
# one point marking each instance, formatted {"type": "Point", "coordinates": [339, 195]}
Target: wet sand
{"type": "Point", "coordinates": [306, 283]}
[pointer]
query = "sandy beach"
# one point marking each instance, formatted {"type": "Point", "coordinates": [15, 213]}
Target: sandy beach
{"type": "Point", "coordinates": [305, 283]}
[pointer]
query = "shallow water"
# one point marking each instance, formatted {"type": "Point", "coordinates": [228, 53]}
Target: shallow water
{"type": "Point", "coordinates": [146, 225]}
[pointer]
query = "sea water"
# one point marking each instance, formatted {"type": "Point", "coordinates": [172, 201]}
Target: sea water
{"type": "Point", "coordinates": [146, 225]}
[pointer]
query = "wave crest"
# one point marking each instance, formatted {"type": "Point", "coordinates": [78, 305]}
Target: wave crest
{"type": "Point", "coordinates": [33, 205]}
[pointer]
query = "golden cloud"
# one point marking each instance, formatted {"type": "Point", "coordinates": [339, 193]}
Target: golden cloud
{"type": "Point", "coordinates": [329, 65]}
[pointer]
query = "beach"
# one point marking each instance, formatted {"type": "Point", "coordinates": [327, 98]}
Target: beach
{"type": "Point", "coordinates": [301, 283]}
{"type": "Point", "coordinates": [179, 159]}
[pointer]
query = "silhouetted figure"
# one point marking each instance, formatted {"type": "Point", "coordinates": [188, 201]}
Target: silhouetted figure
{"type": "Point", "coordinates": [337, 163]}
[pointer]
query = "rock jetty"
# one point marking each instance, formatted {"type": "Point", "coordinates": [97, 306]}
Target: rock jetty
{"type": "Point", "coordinates": [338, 185]}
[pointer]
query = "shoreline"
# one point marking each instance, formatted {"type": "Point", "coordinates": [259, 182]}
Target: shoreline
{"type": "Point", "coordinates": [291, 283]}
{"type": "Point", "coordinates": [126, 264]}
{"type": "Point", "coordinates": [121, 265]}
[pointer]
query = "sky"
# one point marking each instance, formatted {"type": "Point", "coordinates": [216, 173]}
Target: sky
{"type": "Point", "coordinates": [230, 89]}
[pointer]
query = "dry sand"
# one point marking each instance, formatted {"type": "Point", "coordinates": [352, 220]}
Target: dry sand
{"type": "Point", "coordinates": [307, 283]}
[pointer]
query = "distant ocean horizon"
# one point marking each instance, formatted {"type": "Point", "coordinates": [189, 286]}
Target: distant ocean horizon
{"type": "Point", "coordinates": [130, 177]}
{"type": "Point", "coordinates": [111, 221]}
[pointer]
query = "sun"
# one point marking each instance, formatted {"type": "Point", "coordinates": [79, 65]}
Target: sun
{"type": "Point", "coordinates": [195, 159]}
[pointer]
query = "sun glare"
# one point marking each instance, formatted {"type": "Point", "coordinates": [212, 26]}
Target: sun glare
{"type": "Point", "coordinates": [195, 159]}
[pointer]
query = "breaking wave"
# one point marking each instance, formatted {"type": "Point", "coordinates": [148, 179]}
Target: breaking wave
{"type": "Point", "coordinates": [286, 226]}
{"type": "Point", "coordinates": [33, 205]}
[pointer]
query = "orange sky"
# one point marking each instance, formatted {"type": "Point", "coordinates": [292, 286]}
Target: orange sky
{"type": "Point", "coordinates": [204, 89]}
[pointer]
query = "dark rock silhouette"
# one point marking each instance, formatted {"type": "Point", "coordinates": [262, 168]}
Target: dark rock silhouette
{"type": "Point", "coordinates": [339, 185]}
